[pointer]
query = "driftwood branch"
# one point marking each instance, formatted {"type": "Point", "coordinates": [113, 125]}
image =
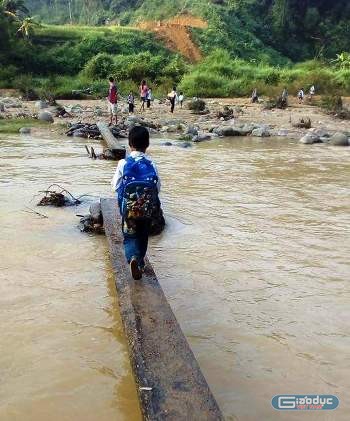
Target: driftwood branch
{"type": "Point", "coordinates": [30, 210]}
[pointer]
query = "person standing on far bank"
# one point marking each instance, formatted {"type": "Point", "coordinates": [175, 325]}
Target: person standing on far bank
{"type": "Point", "coordinates": [301, 96]}
{"type": "Point", "coordinates": [312, 92]}
{"type": "Point", "coordinates": [143, 94]}
{"type": "Point", "coordinates": [172, 98]}
{"type": "Point", "coordinates": [112, 99]}
{"type": "Point", "coordinates": [131, 102]}
{"type": "Point", "coordinates": [149, 97]}
{"type": "Point", "coordinates": [181, 99]}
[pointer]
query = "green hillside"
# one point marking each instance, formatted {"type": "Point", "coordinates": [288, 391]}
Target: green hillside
{"type": "Point", "coordinates": [297, 29]}
{"type": "Point", "coordinates": [266, 44]}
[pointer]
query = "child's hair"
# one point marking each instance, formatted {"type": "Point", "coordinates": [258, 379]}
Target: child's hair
{"type": "Point", "coordinates": [139, 138]}
{"type": "Point", "coordinates": [181, 93]}
{"type": "Point", "coordinates": [111, 79]}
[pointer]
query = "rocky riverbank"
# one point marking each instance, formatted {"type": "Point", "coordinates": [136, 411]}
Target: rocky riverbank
{"type": "Point", "coordinates": [217, 118]}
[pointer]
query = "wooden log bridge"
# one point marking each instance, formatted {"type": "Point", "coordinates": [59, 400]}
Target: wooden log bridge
{"type": "Point", "coordinates": [114, 146]}
{"type": "Point", "coordinates": [169, 381]}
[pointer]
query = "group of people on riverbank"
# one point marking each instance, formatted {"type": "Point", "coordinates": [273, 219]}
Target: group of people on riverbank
{"type": "Point", "coordinates": [146, 97]}
{"type": "Point", "coordinates": [284, 96]}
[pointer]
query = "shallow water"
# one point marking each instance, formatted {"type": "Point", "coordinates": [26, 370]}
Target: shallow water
{"type": "Point", "coordinates": [254, 262]}
{"type": "Point", "coordinates": [258, 271]}
{"type": "Point", "coordinates": [63, 353]}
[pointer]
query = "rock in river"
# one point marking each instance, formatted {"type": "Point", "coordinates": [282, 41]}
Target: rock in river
{"type": "Point", "coordinates": [201, 138]}
{"type": "Point", "coordinates": [339, 139]}
{"type": "Point", "coordinates": [309, 139]}
{"type": "Point", "coordinates": [261, 132]}
{"type": "Point", "coordinates": [25, 130]}
{"type": "Point", "coordinates": [226, 131]}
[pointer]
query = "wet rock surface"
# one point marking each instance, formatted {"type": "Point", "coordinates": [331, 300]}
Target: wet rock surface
{"type": "Point", "coordinates": [91, 131]}
{"type": "Point", "coordinates": [339, 139]}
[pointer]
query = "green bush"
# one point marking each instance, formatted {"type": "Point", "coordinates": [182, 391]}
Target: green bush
{"type": "Point", "coordinates": [332, 103]}
{"type": "Point", "coordinates": [99, 67]}
{"type": "Point", "coordinates": [6, 75]}
{"type": "Point", "coordinates": [25, 84]}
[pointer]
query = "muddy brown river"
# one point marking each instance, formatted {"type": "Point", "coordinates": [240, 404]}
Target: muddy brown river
{"type": "Point", "coordinates": [254, 262]}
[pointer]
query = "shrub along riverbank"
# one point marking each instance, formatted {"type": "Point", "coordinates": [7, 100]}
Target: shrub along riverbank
{"type": "Point", "coordinates": [13, 125]}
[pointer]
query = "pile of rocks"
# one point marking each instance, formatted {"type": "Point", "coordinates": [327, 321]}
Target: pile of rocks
{"type": "Point", "coordinates": [207, 131]}
{"type": "Point", "coordinates": [133, 120]}
{"type": "Point", "coordinates": [91, 131]}
{"type": "Point", "coordinates": [322, 136]}
{"type": "Point", "coordinates": [9, 103]}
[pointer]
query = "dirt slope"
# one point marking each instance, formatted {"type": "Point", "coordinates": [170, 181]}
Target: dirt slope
{"type": "Point", "coordinates": [176, 33]}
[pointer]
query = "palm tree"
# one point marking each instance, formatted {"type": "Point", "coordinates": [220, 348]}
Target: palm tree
{"type": "Point", "coordinates": [27, 26]}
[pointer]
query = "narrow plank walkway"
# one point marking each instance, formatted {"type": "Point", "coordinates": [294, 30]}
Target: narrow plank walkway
{"type": "Point", "coordinates": [170, 383]}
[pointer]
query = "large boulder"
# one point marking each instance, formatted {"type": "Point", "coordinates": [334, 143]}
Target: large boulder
{"type": "Point", "coordinates": [261, 132]}
{"type": "Point", "coordinates": [339, 139]}
{"type": "Point", "coordinates": [25, 130]}
{"type": "Point", "coordinates": [132, 121]}
{"type": "Point", "coordinates": [191, 130]}
{"type": "Point", "coordinates": [45, 116]}
{"type": "Point", "coordinates": [309, 139]}
{"type": "Point", "coordinates": [227, 131]}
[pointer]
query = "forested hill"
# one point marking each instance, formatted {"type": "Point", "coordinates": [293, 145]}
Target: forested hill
{"type": "Point", "coordinates": [296, 29]}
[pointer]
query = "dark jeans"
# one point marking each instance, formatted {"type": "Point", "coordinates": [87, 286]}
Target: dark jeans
{"type": "Point", "coordinates": [131, 108]}
{"type": "Point", "coordinates": [135, 245]}
{"type": "Point", "coordinates": [172, 102]}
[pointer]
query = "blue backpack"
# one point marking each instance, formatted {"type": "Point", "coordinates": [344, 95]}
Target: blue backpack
{"type": "Point", "coordinates": [138, 194]}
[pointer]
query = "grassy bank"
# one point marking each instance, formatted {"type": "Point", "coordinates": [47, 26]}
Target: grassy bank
{"type": "Point", "coordinates": [11, 126]}
{"type": "Point", "coordinates": [221, 76]}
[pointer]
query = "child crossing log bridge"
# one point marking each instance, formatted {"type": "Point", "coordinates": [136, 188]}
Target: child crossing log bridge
{"type": "Point", "coordinates": [169, 381]}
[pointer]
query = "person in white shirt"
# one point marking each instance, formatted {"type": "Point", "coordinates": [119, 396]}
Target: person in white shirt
{"type": "Point", "coordinates": [301, 96]}
{"type": "Point", "coordinates": [312, 92]}
{"type": "Point", "coordinates": [181, 99]}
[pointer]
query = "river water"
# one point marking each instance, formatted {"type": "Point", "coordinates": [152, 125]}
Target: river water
{"type": "Point", "coordinates": [254, 261]}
